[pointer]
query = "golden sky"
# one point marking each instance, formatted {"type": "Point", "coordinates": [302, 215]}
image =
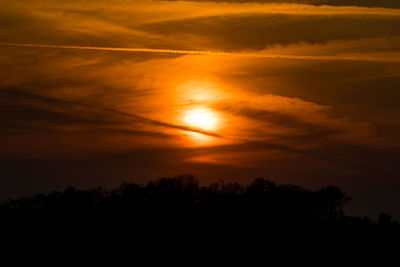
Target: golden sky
{"type": "Point", "coordinates": [99, 92]}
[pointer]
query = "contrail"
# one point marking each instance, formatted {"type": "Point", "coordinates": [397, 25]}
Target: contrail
{"type": "Point", "coordinates": [197, 52]}
{"type": "Point", "coordinates": [121, 49]}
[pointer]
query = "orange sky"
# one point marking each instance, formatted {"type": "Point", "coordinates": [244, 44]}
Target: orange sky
{"type": "Point", "coordinates": [100, 92]}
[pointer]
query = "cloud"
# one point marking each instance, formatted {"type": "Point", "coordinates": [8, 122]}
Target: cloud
{"type": "Point", "coordinates": [136, 118]}
{"type": "Point", "coordinates": [203, 26]}
{"type": "Point", "coordinates": [29, 119]}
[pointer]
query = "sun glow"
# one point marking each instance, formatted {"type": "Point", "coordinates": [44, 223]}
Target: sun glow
{"type": "Point", "coordinates": [201, 118]}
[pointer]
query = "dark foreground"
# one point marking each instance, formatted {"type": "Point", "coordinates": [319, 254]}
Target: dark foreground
{"type": "Point", "coordinates": [181, 198]}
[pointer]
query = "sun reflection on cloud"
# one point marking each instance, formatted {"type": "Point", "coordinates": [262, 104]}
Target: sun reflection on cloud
{"type": "Point", "coordinates": [194, 100]}
{"type": "Point", "coordinates": [202, 118]}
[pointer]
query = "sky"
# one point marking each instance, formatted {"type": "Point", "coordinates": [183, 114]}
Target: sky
{"type": "Point", "coordinates": [101, 92]}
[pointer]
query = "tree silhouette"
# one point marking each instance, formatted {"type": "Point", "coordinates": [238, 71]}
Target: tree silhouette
{"type": "Point", "coordinates": [182, 197]}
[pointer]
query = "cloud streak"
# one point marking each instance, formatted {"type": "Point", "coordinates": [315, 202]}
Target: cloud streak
{"type": "Point", "coordinates": [137, 118]}
{"type": "Point", "coordinates": [205, 53]}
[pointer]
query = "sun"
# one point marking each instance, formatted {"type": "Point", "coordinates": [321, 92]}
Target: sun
{"type": "Point", "coordinates": [201, 118]}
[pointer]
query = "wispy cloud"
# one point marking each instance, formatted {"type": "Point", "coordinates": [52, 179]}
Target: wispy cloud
{"type": "Point", "coordinates": [134, 117]}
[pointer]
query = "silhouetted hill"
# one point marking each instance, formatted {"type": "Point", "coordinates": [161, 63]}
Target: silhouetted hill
{"type": "Point", "coordinates": [182, 198]}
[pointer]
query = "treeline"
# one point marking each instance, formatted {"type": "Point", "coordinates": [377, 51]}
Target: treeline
{"type": "Point", "coordinates": [182, 197]}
